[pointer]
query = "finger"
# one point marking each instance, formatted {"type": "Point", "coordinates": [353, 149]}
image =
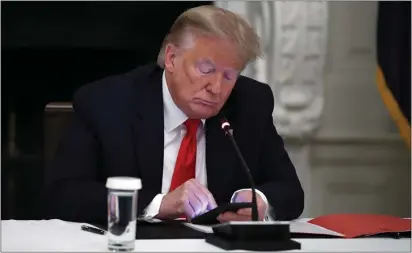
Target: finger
{"type": "Point", "coordinates": [195, 202]}
{"type": "Point", "coordinates": [188, 209]}
{"type": "Point", "coordinates": [262, 213]}
{"type": "Point", "coordinates": [210, 199]}
{"type": "Point", "coordinates": [245, 211]}
{"type": "Point", "coordinates": [262, 207]}
{"type": "Point", "coordinates": [243, 196]}
{"type": "Point", "coordinates": [203, 202]}
{"type": "Point", "coordinates": [223, 217]}
{"type": "Point", "coordinates": [248, 212]}
{"type": "Point", "coordinates": [202, 198]}
{"type": "Point", "coordinates": [231, 216]}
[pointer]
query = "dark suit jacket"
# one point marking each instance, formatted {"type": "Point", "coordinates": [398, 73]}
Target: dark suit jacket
{"type": "Point", "coordinates": [117, 130]}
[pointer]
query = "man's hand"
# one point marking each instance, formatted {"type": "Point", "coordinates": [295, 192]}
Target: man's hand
{"type": "Point", "coordinates": [189, 199]}
{"type": "Point", "coordinates": [245, 214]}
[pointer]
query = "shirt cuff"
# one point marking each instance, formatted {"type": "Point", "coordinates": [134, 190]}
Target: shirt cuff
{"type": "Point", "coordinates": [153, 208]}
{"type": "Point", "coordinates": [267, 215]}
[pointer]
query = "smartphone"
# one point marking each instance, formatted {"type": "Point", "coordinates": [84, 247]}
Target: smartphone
{"type": "Point", "coordinates": [210, 217]}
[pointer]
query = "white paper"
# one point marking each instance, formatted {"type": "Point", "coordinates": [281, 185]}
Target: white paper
{"type": "Point", "coordinates": [304, 227]}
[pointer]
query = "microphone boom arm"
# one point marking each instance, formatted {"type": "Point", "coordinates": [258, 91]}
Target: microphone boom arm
{"type": "Point", "coordinates": [229, 132]}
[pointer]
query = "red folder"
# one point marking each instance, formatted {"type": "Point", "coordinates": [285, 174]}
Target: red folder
{"type": "Point", "coordinates": [357, 225]}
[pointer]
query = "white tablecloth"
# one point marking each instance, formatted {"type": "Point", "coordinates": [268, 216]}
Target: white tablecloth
{"type": "Point", "coordinates": [57, 235]}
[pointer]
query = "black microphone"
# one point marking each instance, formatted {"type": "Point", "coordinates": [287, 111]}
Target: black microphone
{"type": "Point", "coordinates": [229, 132]}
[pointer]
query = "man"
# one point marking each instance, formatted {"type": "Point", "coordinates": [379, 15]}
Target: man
{"type": "Point", "coordinates": [161, 123]}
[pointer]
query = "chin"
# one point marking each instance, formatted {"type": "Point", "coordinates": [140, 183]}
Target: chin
{"type": "Point", "coordinates": [203, 112]}
{"type": "Point", "coordinates": [201, 115]}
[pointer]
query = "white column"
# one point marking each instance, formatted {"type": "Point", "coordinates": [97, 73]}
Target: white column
{"type": "Point", "coordinates": [293, 37]}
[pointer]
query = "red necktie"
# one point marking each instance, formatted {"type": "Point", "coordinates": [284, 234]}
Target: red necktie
{"type": "Point", "coordinates": [185, 167]}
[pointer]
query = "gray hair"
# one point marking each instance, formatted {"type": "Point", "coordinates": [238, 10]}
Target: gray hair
{"type": "Point", "coordinates": [213, 21]}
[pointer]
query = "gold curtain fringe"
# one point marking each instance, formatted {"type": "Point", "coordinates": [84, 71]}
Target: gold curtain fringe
{"type": "Point", "coordinates": [393, 108]}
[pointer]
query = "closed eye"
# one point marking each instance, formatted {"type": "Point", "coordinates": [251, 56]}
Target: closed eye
{"type": "Point", "coordinates": [205, 68]}
{"type": "Point", "coordinates": [230, 75]}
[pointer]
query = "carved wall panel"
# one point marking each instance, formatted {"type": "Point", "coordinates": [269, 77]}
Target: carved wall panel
{"type": "Point", "coordinates": [293, 37]}
{"type": "Point", "coordinates": [297, 81]}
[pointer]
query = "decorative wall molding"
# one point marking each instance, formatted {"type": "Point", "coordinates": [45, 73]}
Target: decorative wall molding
{"type": "Point", "coordinates": [367, 154]}
{"type": "Point", "coordinates": [362, 139]}
{"type": "Point", "coordinates": [300, 52]}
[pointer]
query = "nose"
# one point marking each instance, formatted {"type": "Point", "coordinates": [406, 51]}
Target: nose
{"type": "Point", "coordinates": [214, 85]}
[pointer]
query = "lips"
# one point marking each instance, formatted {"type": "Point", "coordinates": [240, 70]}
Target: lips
{"type": "Point", "coordinates": [205, 102]}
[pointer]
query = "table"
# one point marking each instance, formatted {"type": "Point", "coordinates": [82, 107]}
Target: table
{"type": "Point", "coordinates": [58, 235]}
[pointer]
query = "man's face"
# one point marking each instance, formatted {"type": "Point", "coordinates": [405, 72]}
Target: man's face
{"type": "Point", "coordinates": [200, 79]}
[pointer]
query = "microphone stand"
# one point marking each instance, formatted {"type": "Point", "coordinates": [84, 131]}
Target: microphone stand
{"type": "Point", "coordinates": [229, 132]}
{"type": "Point", "coordinates": [254, 235]}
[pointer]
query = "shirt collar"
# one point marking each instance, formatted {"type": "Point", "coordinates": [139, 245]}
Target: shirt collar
{"type": "Point", "coordinates": [173, 116]}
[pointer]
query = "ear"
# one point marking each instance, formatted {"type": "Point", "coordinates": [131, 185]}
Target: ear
{"type": "Point", "coordinates": [170, 56]}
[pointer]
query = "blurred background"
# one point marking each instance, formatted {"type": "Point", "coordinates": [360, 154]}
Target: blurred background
{"type": "Point", "coordinates": [321, 60]}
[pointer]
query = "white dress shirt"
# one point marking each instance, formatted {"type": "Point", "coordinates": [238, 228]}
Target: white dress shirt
{"type": "Point", "coordinates": [174, 131]}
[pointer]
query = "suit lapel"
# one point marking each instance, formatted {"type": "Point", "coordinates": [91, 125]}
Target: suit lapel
{"type": "Point", "coordinates": [148, 128]}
